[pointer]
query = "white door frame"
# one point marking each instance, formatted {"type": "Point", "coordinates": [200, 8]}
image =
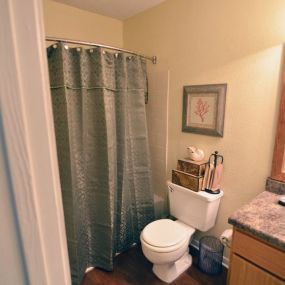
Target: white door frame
{"type": "Point", "coordinates": [26, 114]}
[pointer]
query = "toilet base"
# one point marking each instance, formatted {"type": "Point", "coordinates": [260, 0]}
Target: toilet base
{"type": "Point", "coordinates": [169, 272]}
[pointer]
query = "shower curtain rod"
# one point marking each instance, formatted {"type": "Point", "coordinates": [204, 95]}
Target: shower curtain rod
{"type": "Point", "coordinates": [54, 39]}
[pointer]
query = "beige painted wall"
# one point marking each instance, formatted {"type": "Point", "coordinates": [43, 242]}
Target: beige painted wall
{"type": "Point", "coordinates": [68, 22]}
{"type": "Point", "coordinates": [221, 41]}
{"type": "Point", "coordinates": [156, 114]}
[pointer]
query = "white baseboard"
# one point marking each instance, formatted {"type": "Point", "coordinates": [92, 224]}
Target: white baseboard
{"type": "Point", "coordinates": [195, 244]}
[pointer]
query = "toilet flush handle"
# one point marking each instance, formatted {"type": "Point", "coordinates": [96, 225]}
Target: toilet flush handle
{"type": "Point", "coordinates": [170, 188]}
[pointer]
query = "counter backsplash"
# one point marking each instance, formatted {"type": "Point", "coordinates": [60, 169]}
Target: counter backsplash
{"type": "Point", "coordinates": [275, 186]}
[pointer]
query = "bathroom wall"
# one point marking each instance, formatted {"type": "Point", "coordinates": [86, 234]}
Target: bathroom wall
{"type": "Point", "coordinates": [156, 109]}
{"type": "Point", "coordinates": [68, 22]}
{"type": "Point", "coordinates": [221, 41]}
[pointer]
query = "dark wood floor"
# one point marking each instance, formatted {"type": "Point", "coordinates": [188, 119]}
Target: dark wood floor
{"type": "Point", "coordinates": [132, 268]}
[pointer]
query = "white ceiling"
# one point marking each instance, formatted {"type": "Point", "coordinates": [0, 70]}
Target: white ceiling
{"type": "Point", "coordinates": [118, 9]}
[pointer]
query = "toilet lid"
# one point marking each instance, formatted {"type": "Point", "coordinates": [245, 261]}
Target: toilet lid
{"type": "Point", "coordinates": [163, 233]}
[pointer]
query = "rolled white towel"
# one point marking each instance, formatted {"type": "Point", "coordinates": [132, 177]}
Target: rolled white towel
{"type": "Point", "coordinates": [226, 237]}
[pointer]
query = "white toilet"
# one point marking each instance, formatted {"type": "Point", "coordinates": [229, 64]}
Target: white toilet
{"type": "Point", "coordinates": [165, 242]}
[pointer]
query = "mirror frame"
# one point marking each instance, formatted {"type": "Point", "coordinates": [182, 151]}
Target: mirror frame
{"type": "Point", "coordinates": [279, 149]}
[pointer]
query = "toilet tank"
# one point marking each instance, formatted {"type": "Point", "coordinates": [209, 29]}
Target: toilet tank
{"type": "Point", "coordinates": [196, 209]}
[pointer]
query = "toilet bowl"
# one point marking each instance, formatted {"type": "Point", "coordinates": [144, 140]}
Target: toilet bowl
{"type": "Point", "coordinates": [165, 244]}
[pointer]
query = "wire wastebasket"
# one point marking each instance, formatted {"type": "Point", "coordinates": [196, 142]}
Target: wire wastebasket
{"type": "Point", "coordinates": [210, 255]}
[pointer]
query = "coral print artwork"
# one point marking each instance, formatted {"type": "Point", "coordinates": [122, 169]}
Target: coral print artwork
{"type": "Point", "coordinates": [204, 109]}
{"type": "Point", "coordinates": [201, 110]}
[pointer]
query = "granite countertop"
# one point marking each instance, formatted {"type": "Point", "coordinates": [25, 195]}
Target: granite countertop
{"type": "Point", "coordinates": [264, 218]}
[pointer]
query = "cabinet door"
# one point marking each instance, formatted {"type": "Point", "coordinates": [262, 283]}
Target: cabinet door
{"type": "Point", "coordinates": [245, 273]}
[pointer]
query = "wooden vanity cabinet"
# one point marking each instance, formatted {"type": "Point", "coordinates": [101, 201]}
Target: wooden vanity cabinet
{"type": "Point", "coordinates": [254, 262]}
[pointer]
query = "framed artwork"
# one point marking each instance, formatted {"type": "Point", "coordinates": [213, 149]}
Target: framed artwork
{"type": "Point", "coordinates": [204, 109]}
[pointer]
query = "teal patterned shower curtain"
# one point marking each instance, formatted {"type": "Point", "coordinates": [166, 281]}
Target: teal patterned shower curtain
{"type": "Point", "coordinates": [98, 100]}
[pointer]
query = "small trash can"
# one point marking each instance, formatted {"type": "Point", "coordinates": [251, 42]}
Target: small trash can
{"type": "Point", "coordinates": [210, 255]}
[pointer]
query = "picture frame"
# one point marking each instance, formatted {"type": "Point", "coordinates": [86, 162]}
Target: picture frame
{"type": "Point", "coordinates": [204, 109]}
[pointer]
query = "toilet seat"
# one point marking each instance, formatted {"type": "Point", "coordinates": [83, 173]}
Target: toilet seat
{"type": "Point", "coordinates": [164, 235]}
